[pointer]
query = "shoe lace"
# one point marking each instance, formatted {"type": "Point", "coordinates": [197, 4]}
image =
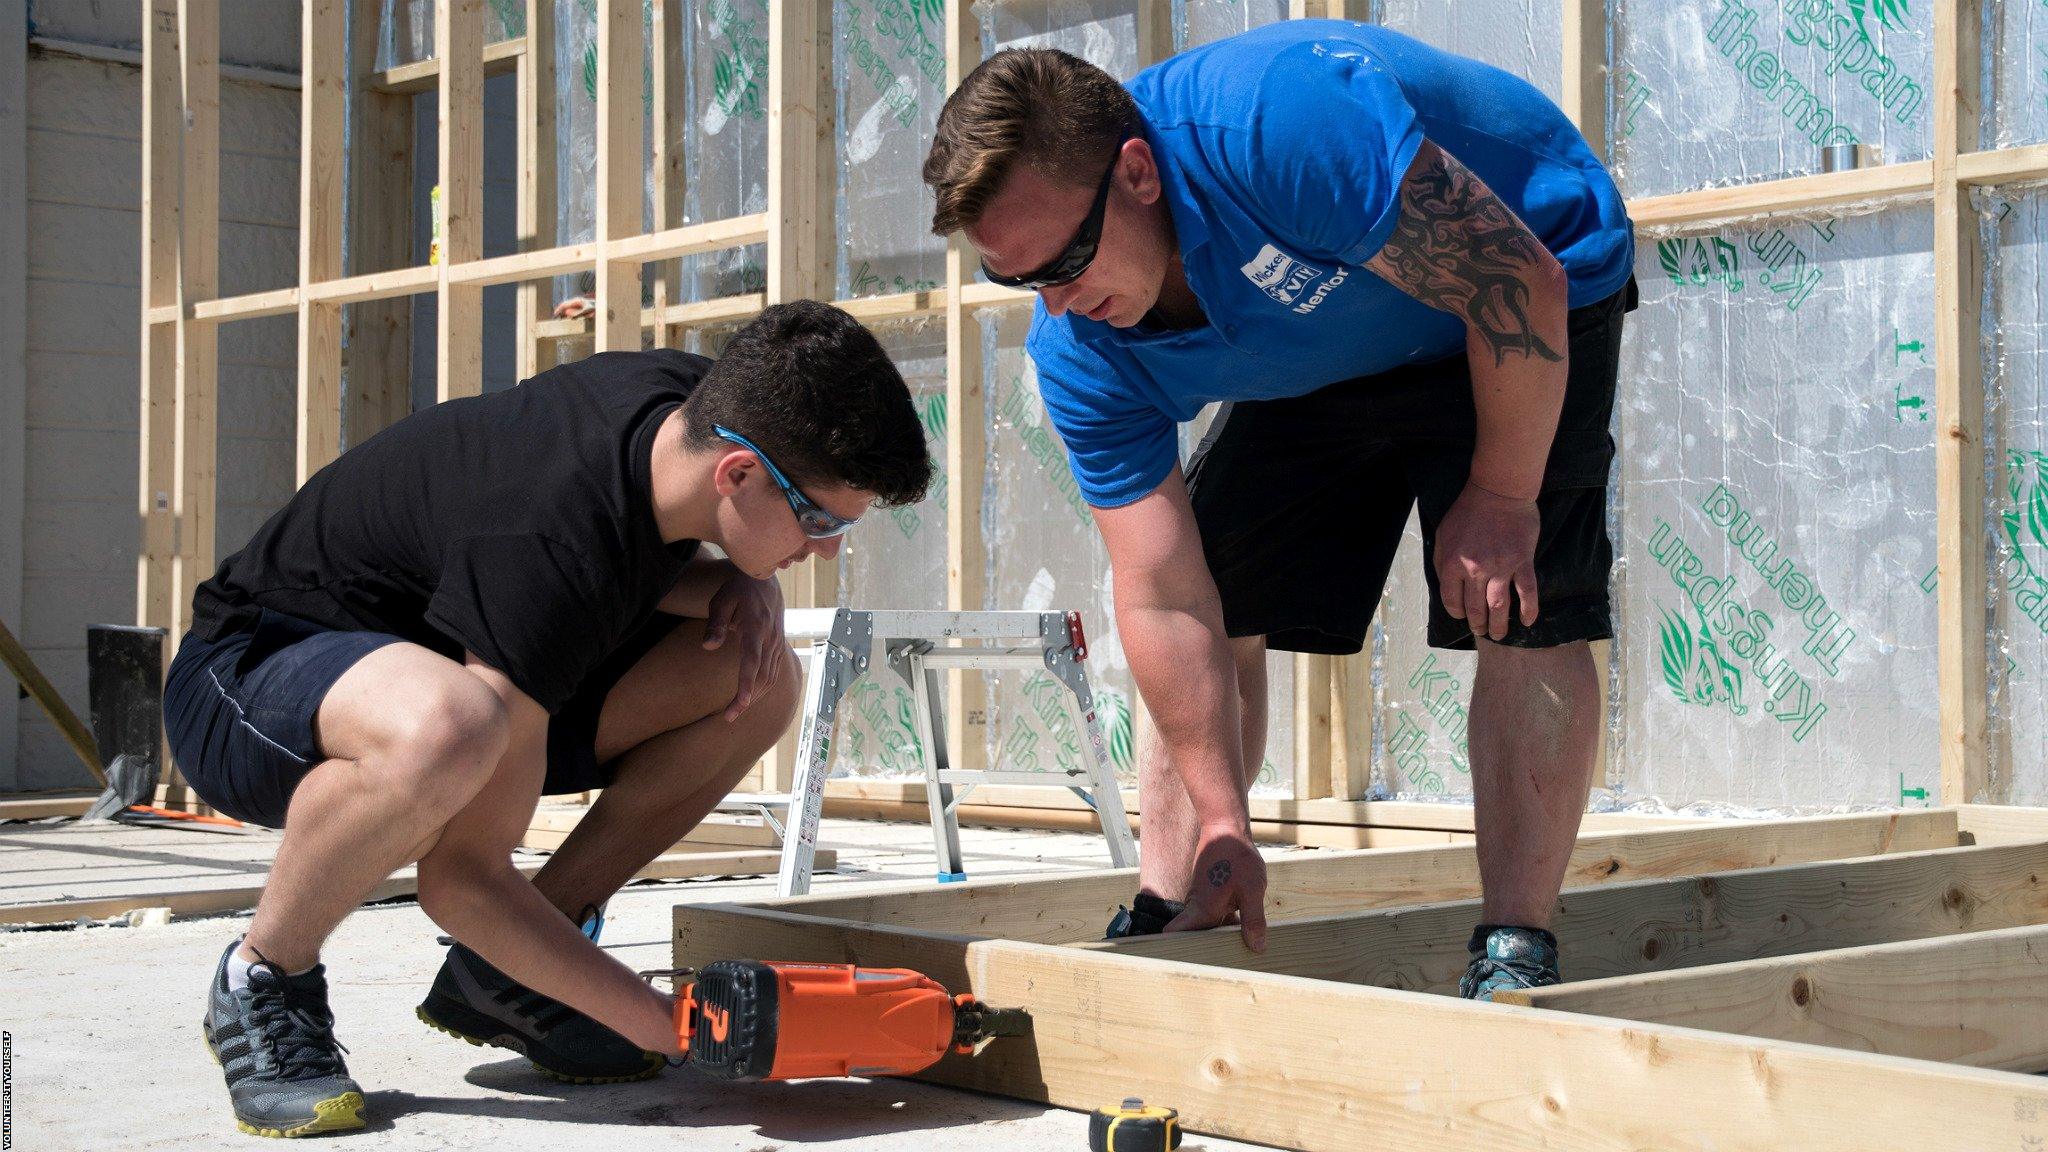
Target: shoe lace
{"type": "Point", "coordinates": [297, 1029]}
{"type": "Point", "coordinates": [1484, 968]}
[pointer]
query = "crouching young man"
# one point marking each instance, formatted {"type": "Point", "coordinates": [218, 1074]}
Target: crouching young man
{"type": "Point", "coordinates": [503, 597]}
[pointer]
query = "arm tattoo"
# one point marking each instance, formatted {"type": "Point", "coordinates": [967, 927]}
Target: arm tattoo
{"type": "Point", "coordinates": [1458, 249]}
{"type": "Point", "coordinates": [1219, 874]}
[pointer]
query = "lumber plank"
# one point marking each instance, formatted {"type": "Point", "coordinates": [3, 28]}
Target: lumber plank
{"type": "Point", "coordinates": [966, 451]}
{"type": "Point", "coordinates": [162, 144]}
{"type": "Point", "coordinates": [380, 156]}
{"type": "Point", "coordinates": [534, 204]}
{"type": "Point", "coordinates": [43, 807]}
{"type": "Point", "coordinates": [213, 901]}
{"type": "Point", "coordinates": [458, 331]}
{"type": "Point", "coordinates": [1654, 925]}
{"type": "Point", "coordinates": [323, 96]}
{"type": "Point", "coordinates": [1979, 999]}
{"type": "Point", "coordinates": [1058, 909]}
{"type": "Point", "coordinates": [620, 179]}
{"type": "Point", "coordinates": [2000, 823]}
{"type": "Point", "coordinates": [1959, 449]}
{"type": "Point", "coordinates": [1318, 1066]}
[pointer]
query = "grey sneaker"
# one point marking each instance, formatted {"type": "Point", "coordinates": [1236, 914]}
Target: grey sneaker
{"type": "Point", "coordinates": [473, 1001]}
{"type": "Point", "coordinates": [1504, 956]}
{"type": "Point", "coordinates": [275, 1043]}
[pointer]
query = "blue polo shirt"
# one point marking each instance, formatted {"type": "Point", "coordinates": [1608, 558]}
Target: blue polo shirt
{"type": "Point", "coordinates": [1282, 152]}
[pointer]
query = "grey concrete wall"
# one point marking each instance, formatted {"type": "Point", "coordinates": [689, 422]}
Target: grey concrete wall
{"type": "Point", "coordinates": [13, 321]}
{"type": "Point", "coordinates": [83, 194]}
{"type": "Point", "coordinates": [70, 300]}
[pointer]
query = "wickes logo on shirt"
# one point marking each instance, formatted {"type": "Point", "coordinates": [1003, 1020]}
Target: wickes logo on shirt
{"type": "Point", "coordinates": [1285, 279]}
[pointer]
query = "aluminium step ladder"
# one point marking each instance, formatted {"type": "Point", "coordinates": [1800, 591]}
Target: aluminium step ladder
{"type": "Point", "coordinates": [838, 647]}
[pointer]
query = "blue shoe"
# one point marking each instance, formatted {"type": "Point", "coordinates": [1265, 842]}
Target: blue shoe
{"type": "Point", "coordinates": [1148, 915]}
{"type": "Point", "coordinates": [1504, 956]}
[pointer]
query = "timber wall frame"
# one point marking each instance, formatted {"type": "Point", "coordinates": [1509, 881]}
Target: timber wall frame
{"type": "Point", "coordinates": [1840, 983]}
{"type": "Point", "coordinates": [182, 308]}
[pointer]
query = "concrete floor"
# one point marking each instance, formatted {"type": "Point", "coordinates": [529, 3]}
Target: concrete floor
{"type": "Point", "coordinates": [104, 1022]}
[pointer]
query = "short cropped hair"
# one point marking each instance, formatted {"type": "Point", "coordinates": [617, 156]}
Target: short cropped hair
{"type": "Point", "coordinates": [815, 391]}
{"type": "Point", "coordinates": [1057, 113]}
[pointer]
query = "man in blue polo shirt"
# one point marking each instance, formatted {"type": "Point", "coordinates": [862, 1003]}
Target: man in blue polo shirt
{"type": "Point", "coordinates": [1404, 272]}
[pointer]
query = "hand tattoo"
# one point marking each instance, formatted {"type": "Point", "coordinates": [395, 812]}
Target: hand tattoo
{"type": "Point", "coordinates": [1458, 249]}
{"type": "Point", "coordinates": [1219, 874]}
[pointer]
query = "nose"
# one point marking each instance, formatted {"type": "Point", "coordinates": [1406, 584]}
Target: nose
{"type": "Point", "coordinates": [1058, 298]}
{"type": "Point", "coordinates": [827, 548]}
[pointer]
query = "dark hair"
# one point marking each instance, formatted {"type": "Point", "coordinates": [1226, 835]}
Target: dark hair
{"type": "Point", "coordinates": [814, 389]}
{"type": "Point", "coordinates": [1055, 112]}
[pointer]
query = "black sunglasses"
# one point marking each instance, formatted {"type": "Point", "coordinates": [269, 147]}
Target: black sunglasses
{"type": "Point", "coordinates": [1070, 264]}
{"type": "Point", "coordinates": [816, 523]}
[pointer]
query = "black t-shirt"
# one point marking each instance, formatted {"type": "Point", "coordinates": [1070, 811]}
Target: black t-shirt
{"type": "Point", "coordinates": [518, 525]}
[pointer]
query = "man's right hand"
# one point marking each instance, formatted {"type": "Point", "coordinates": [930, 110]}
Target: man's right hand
{"type": "Point", "coordinates": [1230, 877]}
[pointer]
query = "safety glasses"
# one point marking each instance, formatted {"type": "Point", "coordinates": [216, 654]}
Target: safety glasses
{"type": "Point", "coordinates": [816, 523]}
{"type": "Point", "coordinates": [1070, 264]}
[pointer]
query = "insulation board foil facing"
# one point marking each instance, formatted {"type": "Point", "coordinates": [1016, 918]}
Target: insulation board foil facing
{"type": "Point", "coordinates": [1421, 694]}
{"type": "Point", "coordinates": [2016, 71]}
{"type": "Point", "coordinates": [725, 139]}
{"type": "Point", "coordinates": [406, 33]}
{"type": "Point", "coordinates": [889, 81]}
{"type": "Point", "coordinates": [2016, 490]}
{"type": "Point", "coordinates": [1518, 36]}
{"type": "Point", "coordinates": [1043, 553]}
{"type": "Point", "coordinates": [896, 558]}
{"type": "Point", "coordinates": [1713, 92]}
{"type": "Point", "coordinates": [1200, 21]}
{"type": "Point", "coordinates": [1776, 523]}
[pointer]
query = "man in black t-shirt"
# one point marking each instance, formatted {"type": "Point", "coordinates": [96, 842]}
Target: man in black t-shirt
{"type": "Point", "coordinates": [501, 597]}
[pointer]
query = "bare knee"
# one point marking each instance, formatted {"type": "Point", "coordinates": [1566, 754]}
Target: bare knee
{"type": "Point", "coordinates": [775, 710]}
{"type": "Point", "coordinates": [446, 741]}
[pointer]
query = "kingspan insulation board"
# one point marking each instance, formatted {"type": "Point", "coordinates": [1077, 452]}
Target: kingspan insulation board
{"type": "Point", "coordinates": [1776, 518]}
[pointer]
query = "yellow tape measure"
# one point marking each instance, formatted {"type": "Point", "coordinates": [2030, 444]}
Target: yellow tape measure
{"type": "Point", "coordinates": [1133, 1127]}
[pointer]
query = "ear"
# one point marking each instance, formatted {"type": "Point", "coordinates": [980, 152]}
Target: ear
{"type": "Point", "coordinates": [733, 471]}
{"type": "Point", "coordinates": [1139, 171]}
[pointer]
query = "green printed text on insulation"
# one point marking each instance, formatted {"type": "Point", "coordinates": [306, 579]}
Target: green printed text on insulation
{"type": "Point", "coordinates": [1045, 448]}
{"type": "Point", "coordinates": [1848, 49]}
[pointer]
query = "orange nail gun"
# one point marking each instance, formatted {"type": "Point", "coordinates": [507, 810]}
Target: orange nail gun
{"type": "Point", "coordinates": [747, 1020]}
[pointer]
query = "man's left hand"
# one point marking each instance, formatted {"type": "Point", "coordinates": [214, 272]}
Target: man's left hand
{"type": "Point", "coordinates": [748, 612]}
{"type": "Point", "coordinates": [1485, 546]}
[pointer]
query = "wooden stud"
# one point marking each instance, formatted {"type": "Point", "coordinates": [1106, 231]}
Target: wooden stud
{"type": "Point", "coordinates": [1351, 727]}
{"type": "Point", "coordinates": [1316, 1066]}
{"type": "Point", "coordinates": [322, 104]}
{"type": "Point", "coordinates": [1979, 999]}
{"type": "Point", "coordinates": [377, 356]}
{"type": "Point", "coordinates": [458, 334]}
{"type": "Point", "coordinates": [966, 443]}
{"type": "Point", "coordinates": [1652, 925]}
{"type": "Point", "coordinates": [1313, 736]}
{"type": "Point", "coordinates": [1959, 447]}
{"type": "Point", "coordinates": [620, 172]}
{"type": "Point", "coordinates": [195, 420]}
{"type": "Point", "coordinates": [671, 125]}
{"type": "Point", "coordinates": [163, 127]}
{"type": "Point", "coordinates": [499, 58]}
{"type": "Point", "coordinates": [1585, 70]}
{"type": "Point", "coordinates": [536, 205]}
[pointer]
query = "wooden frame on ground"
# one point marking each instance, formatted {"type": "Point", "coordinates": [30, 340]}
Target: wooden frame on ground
{"type": "Point", "coordinates": [1300, 1060]}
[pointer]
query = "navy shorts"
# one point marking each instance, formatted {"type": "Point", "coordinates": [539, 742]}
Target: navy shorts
{"type": "Point", "coordinates": [1301, 502]}
{"type": "Point", "coordinates": [240, 711]}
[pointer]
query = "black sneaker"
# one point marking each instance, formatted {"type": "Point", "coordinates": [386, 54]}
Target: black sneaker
{"type": "Point", "coordinates": [1148, 915]}
{"type": "Point", "coordinates": [475, 1002]}
{"type": "Point", "coordinates": [275, 1042]}
{"type": "Point", "coordinates": [1504, 956]}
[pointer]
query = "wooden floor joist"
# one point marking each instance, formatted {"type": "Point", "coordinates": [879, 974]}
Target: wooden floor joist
{"type": "Point", "coordinates": [1979, 999]}
{"type": "Point", "coordinates": [1063, 909]}
{"type": "Point", "coordinates": [1651, 925]}
{"type": "Point", "coordinates": [1319, 1066]}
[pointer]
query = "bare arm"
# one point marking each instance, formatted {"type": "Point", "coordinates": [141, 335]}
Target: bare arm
{"type": "Point", "coordinates": [1171, 622]}
{"type": "Point", "coordinates": [1458, 249]}
{"type": "Point", "coordinates": [700, 580]}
